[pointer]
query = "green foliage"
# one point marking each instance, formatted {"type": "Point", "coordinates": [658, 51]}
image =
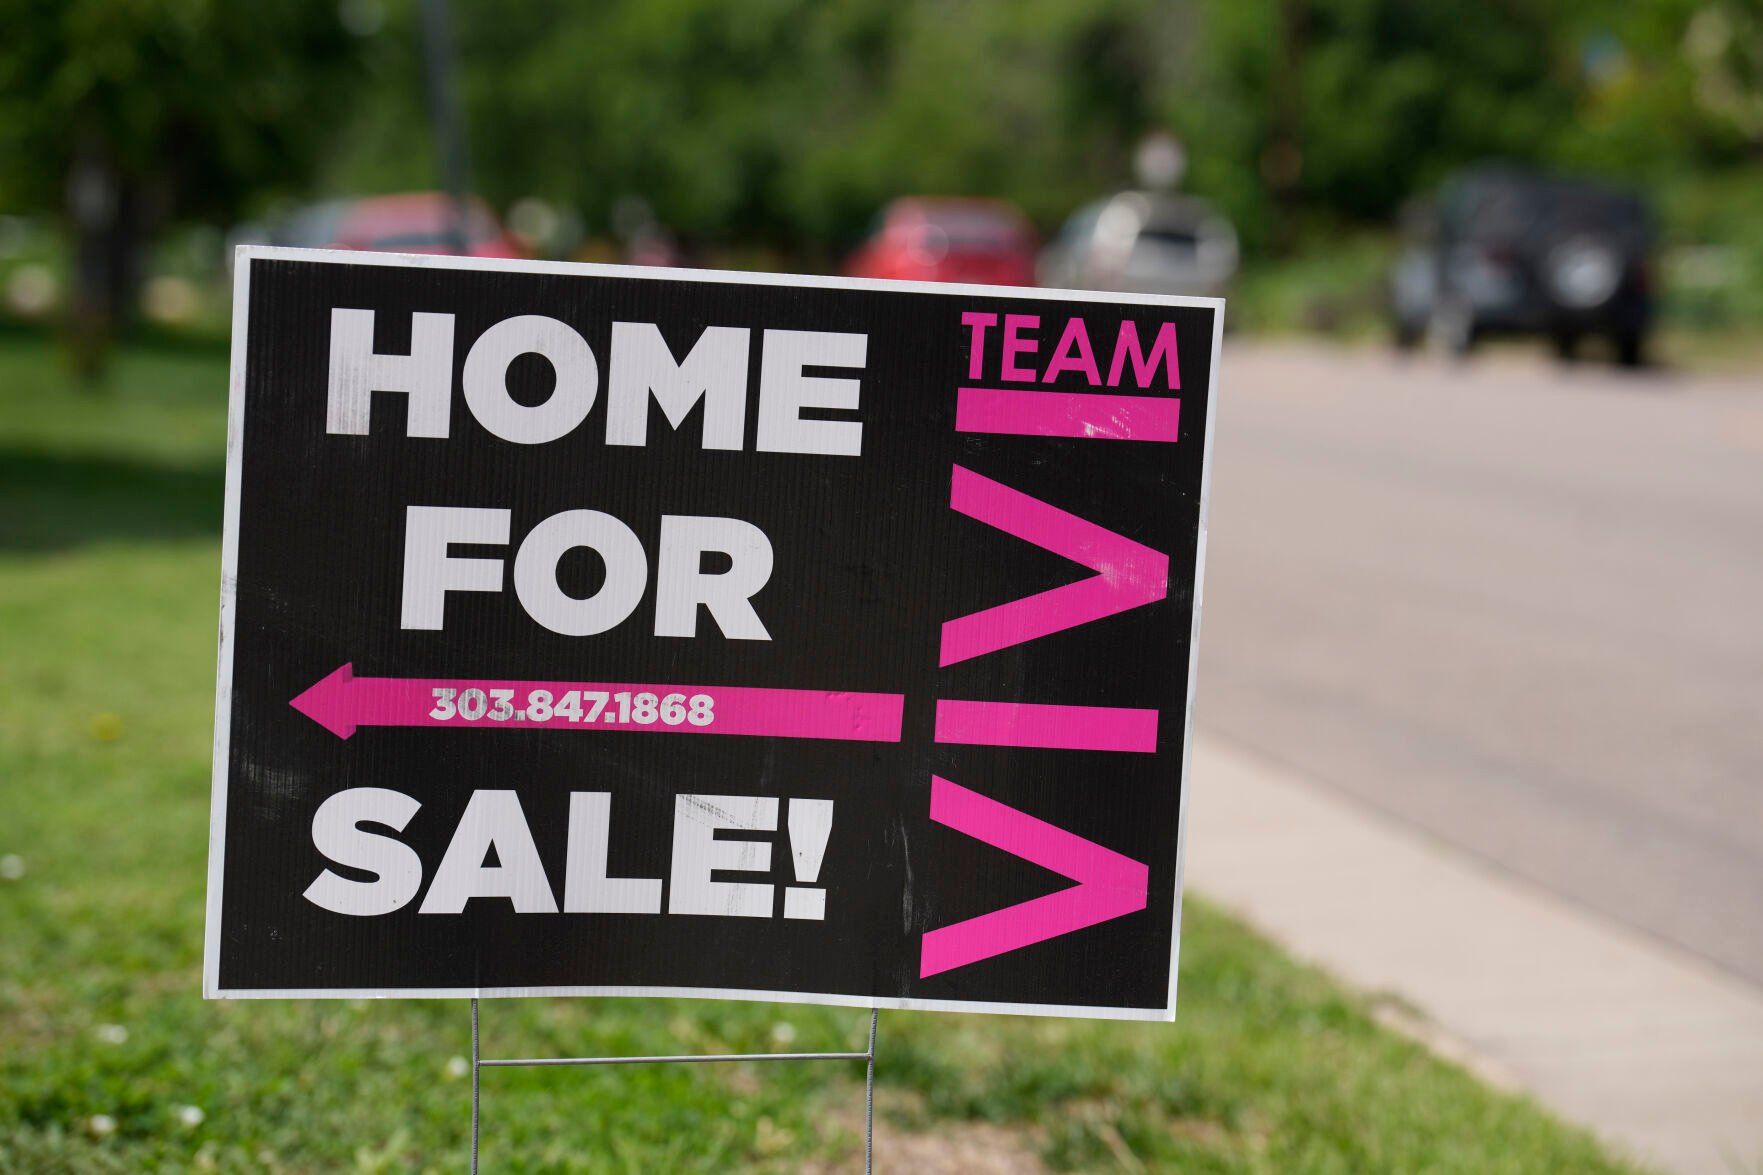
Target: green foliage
{"type": "Point", "coordinates": [791, 121]}
{"type": "Point", "coordinates": [108, 581]}
{"type": "Point", "coordinates": [787, 123]}
{"type": "Point", "coordinates": [1336, 287]}
{"type": "Point", "coordinates": [1715, 275]}
{"type": "Point", "coordinates": [1674, 88]}
{"type": "Point", "coordinates": [208, 101]}
{"type": "Point", "coordinates": [1430, 85]}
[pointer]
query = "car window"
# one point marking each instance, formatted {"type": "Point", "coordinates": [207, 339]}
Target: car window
{"type": "Point", "coordinates": [1178, 235]}
{"type": "Point", "coordinates": [975, 226]}
{"type": "Point", "coordinates": [394, 242]}
{"type": "Point", "coordinates": [311, 227]}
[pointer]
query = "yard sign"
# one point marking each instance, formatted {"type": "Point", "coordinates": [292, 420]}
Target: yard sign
{"type": "Point", "coordinates": [602, 631]}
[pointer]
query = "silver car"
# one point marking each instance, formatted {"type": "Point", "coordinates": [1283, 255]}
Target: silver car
{"type": "Point", "coordinates": [1143, 242]}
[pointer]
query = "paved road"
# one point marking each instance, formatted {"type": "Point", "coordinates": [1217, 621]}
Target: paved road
{"type": "Point", "coordinates": [1515, 605]}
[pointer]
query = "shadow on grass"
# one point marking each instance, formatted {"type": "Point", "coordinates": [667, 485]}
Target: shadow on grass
{"type": "Point", "coordinates": [55, 501]}
{"type": "Point", "coordinates": [198, 341]}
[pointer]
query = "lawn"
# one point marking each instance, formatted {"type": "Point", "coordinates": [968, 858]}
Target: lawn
{"type": "Point", "coordinates": [111, 1061]}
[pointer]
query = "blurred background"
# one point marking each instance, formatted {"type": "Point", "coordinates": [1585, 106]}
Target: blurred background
{"type": "Point", "coordinates": [1296, 149]}
{"type": "Point", "coordinates": [1476, 827]}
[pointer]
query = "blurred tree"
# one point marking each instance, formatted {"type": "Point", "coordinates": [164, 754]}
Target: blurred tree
{"type": "Point", "coordinates": [788, 123]}
{"type": "Point", "coordinates": [126, 114]}
{"type": "Point", "coordinates": [791, 121]}
{"type": "Point", "coordinates": [1345, 107]}
{"type": "Point", "coordinates": [1673, 86]}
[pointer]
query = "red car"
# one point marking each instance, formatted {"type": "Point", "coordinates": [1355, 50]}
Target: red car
{"type": "Point", "coordinates": [416, 222]}
{"type": "Point", "coordinates": [949, 240]}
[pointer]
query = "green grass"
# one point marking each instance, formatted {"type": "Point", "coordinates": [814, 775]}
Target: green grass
{"type": "Point", "coordinates": [109, 503]}
{"type": "Point", "coordinates": [1336, 287]}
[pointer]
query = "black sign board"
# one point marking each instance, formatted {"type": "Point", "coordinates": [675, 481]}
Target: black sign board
{"type": "Point", "coordinates": [590, 630]}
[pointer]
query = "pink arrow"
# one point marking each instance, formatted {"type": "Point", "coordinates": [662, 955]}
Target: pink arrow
{"type": "Point", "coordinates": [340, 702]}
{"type": "Point", "coordinates": [1109, 885]}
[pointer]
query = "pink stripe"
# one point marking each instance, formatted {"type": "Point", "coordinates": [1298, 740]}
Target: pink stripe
{"type": "Point", "coordinates": [341, 702]}
{"type": "Point", "coordinates": [1109, 884]}
{"type": "Point", "coordinates": [782, 713]}
{"type": "Point", "coordinates": [1085, 415]}
{"type": "Point", "coordinates": [1027, 724]}
{"type": "Point", "coordinates": [1128, 574]}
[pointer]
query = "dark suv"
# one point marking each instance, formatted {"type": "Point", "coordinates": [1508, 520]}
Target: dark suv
{"type": "Point", "coordinates": [1504, 251]}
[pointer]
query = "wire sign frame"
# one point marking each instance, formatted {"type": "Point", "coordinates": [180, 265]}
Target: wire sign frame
{"type": "Point", "coordinates": [479, 1063]}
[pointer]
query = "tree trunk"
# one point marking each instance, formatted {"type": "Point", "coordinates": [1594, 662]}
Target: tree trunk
{"type": "Point", "coordinates": [1282, 159]}
{"type": "Point", "coordinates": [104, 213]}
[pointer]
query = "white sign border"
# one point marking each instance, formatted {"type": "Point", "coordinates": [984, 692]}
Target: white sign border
{"type": "Point", "coordinates": [244, 255]}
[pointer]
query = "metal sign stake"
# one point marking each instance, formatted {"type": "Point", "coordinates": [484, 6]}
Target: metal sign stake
{"type": "Point", "coordinates": [479, 1064]}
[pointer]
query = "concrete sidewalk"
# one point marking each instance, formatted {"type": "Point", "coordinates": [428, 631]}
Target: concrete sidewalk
{"type": "Point", "coordinates": [1657, 1051]}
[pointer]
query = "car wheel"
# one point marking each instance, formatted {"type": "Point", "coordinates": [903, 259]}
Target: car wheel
{"type": "Point", "coordinates": [1631, 348]}
{"type": "Point", "coordinates": [1452, 328]}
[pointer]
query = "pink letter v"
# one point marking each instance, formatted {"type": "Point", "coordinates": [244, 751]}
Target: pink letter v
{"type": "Point", "coordinates": [1128, 574]}
{"type": "Point", "coordinates": [1109, 884]}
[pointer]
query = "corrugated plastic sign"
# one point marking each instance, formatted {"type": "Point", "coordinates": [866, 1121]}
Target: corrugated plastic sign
{"type": "Point", "coordinates": [603, 631]}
